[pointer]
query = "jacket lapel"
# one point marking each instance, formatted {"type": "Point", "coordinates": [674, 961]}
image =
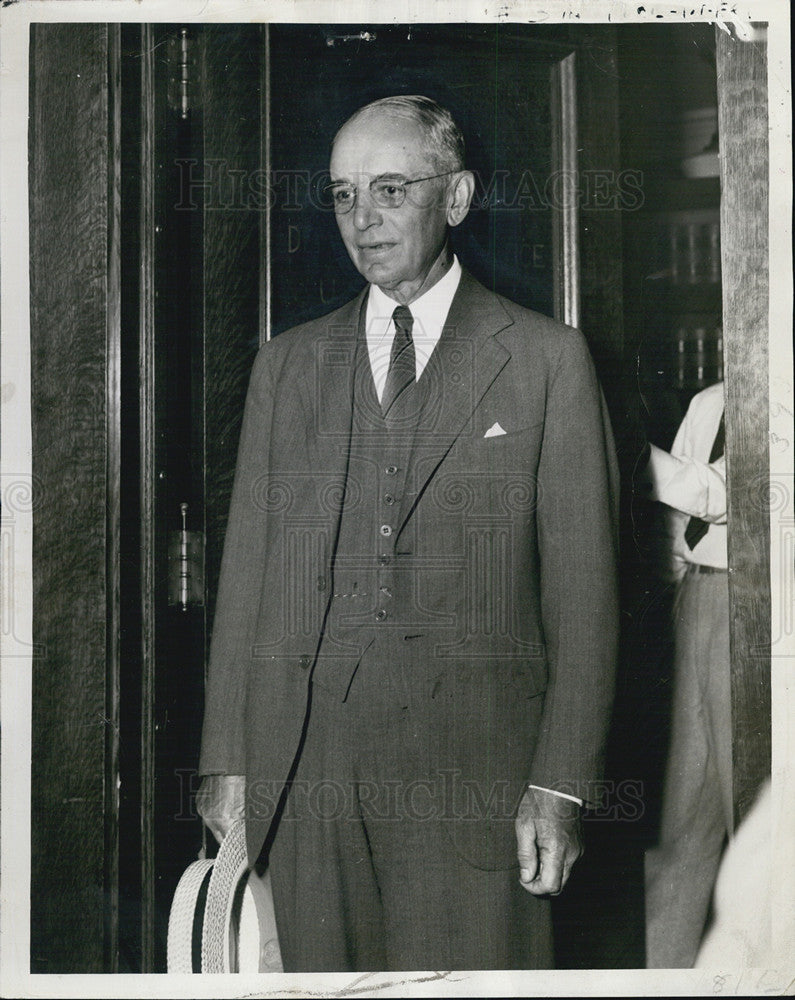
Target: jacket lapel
{"type": "Point", "coordinates": [466, 361]}
{"type": "Point", "coordinates": [326, 388]}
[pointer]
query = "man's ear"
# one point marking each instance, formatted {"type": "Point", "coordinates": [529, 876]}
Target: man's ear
{"type": "Point", "coordinates": [459, 197]}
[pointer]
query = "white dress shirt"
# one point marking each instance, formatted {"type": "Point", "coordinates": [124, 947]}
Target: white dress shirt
{"type": "Point", "coordinates": [430, 313]}
{"type": "Point", "coordinates": [687, 482]}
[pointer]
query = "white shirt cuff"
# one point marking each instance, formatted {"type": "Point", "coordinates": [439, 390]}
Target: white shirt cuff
{"type": "Point", "coordinates": [563, 795]}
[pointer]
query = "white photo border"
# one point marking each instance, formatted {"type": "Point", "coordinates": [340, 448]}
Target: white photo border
{"type": "Point", "coordinates": [747, 20]}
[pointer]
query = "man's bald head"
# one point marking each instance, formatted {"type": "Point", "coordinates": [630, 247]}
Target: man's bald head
{"type": "Point", "coordinates": [443, 138]}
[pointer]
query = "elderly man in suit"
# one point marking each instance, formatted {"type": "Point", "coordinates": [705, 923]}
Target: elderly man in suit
{"type": "Point", "coordinates": [412, 660]}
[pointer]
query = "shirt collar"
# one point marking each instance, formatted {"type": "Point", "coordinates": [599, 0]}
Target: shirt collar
{"type": "Point", "coordinates": [429, 310]}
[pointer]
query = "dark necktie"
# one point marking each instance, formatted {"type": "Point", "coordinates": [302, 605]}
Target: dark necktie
{"type": "Point", "coordinates": [696, 528]}
{"type": "Point", "coordinates": [402, 365]}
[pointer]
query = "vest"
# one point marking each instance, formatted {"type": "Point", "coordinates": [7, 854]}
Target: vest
{"type": "Point", "coordinates": [372, 604]}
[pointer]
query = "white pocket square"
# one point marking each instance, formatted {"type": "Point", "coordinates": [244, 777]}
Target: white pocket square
{"type": "Point", "coordinates": [494, 431]}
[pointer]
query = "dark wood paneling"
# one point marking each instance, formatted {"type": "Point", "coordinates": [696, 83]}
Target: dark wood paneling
{"type": "Point", "coordinates": [74, 437]}
{"type": "Point", "coordinates": [742, 119]}
{"type": "Point", "coordinates": [148, 480]}
{"type": "Point", "coordinates": [600, 213]}
{"type": "Point", "coordinates": [171, 343]}
{"type": "Point", "coordinates": [113, 500]}
{"type": "Point", "coordinates": [231, 110]}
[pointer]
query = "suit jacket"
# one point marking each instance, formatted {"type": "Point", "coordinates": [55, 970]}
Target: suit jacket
{"type": "Point", "coordinates": [531, 704]}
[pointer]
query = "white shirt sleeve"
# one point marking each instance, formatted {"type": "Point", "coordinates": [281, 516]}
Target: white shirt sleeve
{"type": "Point", "coordinates": [685, 479]}
{"type": "Point", "coordinates": [688, 485]}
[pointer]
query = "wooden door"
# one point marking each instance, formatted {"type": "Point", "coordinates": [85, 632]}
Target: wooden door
{"type": "Point", "coordinates": [743, 122]}
{"type": "Point", "coordinates": [200, 317]}
{"type": "Point", "coordinates": [76, 426]}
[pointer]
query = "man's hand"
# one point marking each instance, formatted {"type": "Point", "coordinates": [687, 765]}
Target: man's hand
{"type": "Point", "coordinates": [548, 839]}
{"type": "Point", "coordinates": [221, 801]}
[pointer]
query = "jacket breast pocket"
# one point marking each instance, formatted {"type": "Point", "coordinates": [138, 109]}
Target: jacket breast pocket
{"type": "Point", "coordinates": [494, 476]}
{"type": "Point", "coordinates": [516, 449]}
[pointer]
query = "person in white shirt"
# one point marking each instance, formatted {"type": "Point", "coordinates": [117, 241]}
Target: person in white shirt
{"type": "Point", "coordinates": [696, 815]}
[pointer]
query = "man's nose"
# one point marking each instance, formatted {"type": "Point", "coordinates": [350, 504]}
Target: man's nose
{"type": "Point", "coordinates": [365, 212]}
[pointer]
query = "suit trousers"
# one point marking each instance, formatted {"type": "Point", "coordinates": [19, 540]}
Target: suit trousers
{"type": "Point", "coordinates": [364, 873]}
{"type": "Point", "coordinates": [681, 869]}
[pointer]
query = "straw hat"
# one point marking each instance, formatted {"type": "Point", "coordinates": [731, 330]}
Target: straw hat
{"type": "Point", "coordinates": [238, 926]}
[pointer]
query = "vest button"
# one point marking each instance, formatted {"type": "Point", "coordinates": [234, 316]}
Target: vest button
{"type": "Point", "coordinates": [321, 583]}
{"type": "Point", "coordinates": [389, 499]}
{"type": "Point", "coordinates": [380, 615]}
{"type": "Point", "coordinates": [384, 559]}
{"type": "Point", "coordinates": [391, 470]}
{"type": "Point", "coordinates": [304, 662]}
{"type": "Point", "coordinates": [386, 530]}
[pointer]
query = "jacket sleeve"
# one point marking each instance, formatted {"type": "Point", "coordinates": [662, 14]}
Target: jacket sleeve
{"type": "Point", "coordinates": [577, 519]}
{"type": "Point", "coordinates": [240, 586]}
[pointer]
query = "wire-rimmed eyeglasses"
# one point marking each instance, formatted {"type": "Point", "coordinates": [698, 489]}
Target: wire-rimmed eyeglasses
{"type": "Point", "coordinates": [387, 191]}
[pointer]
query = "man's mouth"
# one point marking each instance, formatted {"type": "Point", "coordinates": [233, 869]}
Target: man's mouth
{"type": "Point", "coordinates": [375, 247]}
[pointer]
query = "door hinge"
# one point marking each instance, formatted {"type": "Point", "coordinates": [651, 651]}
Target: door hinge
{"type": "Point", "coordinates": [184, 72]}
{"type": "Point", "coordinates": [186, 565]}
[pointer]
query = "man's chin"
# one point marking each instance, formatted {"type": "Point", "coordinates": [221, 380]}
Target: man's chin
{"type": "Point", "coordinates": [379, 273]}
